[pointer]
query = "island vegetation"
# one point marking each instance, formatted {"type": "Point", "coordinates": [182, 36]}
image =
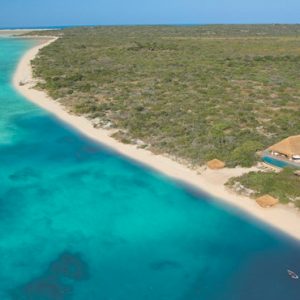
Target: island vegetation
{"type": "Point", "coordinates": [284, 185]}
{"type": "Point", "coordinates": [194, 93]}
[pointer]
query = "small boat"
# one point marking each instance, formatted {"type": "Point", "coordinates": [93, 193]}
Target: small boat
{"type": "Point", "coordinates": [293, 274]}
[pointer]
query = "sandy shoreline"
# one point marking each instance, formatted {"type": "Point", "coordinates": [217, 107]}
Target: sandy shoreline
{"type": "Point", "coordinates": [280, 217]}
{"type": "Point", "coordinates": [16, 32]}
{"type": "Point", "coordinates": [12, 32]}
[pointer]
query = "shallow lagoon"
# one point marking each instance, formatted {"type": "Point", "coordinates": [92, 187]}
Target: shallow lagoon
{"type": "Point", "coordinates": [80, 222]}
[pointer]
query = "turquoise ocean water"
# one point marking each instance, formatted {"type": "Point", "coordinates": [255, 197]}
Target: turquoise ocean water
{"type": "Point", "coordinates": [79, 222]}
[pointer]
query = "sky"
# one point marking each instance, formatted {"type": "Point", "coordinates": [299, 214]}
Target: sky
{"type": "Point", "coordinates": [35, 13]}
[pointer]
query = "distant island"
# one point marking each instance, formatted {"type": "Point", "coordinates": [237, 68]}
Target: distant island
{"type": "Point", "coordinates": [192, 93]}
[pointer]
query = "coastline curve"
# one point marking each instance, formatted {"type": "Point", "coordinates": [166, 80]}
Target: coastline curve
{"type": "Point", "coordinates": [282, 218]}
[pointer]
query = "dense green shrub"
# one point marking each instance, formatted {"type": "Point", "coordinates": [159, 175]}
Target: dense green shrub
{"type": "Point", "coordinates": [284, 185]}
{"type": "Point", "coordinates": [245, 154]}
{"type": "Point", "coordinates": [195, 92]}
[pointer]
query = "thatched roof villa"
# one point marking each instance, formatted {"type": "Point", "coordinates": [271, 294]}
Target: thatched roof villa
{"type": "Point", "coordinates": [266, 201]}
{"type": "Point", "coordinates": [289, 148]}
{"type": "Point", "coordinates": [215, 164]}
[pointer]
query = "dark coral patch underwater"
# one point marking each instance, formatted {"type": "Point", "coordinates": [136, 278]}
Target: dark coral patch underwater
{"type": "Point", "coordinates": [57, 282]}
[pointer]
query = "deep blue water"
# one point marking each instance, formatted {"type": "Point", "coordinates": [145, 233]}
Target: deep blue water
{"type": "Point", "coordinates": [79, 222]}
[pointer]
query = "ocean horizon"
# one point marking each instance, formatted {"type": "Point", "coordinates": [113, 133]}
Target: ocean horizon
{"type": "Point", "coordinates": [132, 25]}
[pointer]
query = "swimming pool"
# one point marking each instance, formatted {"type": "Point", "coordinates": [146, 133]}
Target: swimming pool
{"type": "Point", "coordinates": [279, 163]}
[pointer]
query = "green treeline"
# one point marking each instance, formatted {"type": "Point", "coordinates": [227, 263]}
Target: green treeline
{"type": "Point", "coordinates": [196, 93]}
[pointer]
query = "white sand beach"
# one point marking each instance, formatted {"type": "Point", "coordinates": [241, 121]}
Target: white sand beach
{"type": "Point", "coordinates": [12, 32]}
{"type": "Point", "coordinates": [280, 217]}
{"type": "Point", "coordinates": [16, 32]}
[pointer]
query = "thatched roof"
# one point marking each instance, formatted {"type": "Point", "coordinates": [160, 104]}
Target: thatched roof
{"type": "Point", "coordinates": [266, 201]}
{"type": "Point", "coordinates": [216, 164]}
{"type": "Point", "coordinates": [289, 146]}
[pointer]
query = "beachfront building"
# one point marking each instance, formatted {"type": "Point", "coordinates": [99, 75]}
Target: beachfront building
{"type": "Point", "coordinates": [288, 148]}
{"type": "Point", "coordinates": [215, 164]}
{"type": "Point", "coordinates": [267, 201]}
